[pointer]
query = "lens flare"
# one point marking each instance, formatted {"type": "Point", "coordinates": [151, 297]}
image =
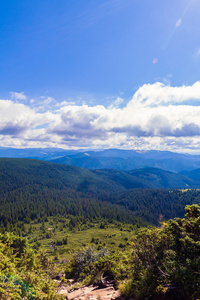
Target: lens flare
{"type": "Point", "coordinates": [178, 23]}
{"type": "Point", "coordinates": [155, 60]}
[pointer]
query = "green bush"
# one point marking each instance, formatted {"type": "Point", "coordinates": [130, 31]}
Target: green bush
{"type": "Point", "coordinates": [82, 259]}
{"type": "Point", "coordinates": [167, 259]}
{"type": "Point", "coordinates": [23, 274]}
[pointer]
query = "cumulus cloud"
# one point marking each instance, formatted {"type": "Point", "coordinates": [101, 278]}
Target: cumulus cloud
{"type": "Point", "coordinates": [17, 118]}
{"type": "Point", "coordinates": [158, 116]}
{"type": "Point", "coordinates": [161, 94]}
{"type": "Point", "coordinates": [77, 122]}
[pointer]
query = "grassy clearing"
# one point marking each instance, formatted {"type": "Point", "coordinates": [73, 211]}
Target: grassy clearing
{"type": "Point", "coordinates": [57, 240]}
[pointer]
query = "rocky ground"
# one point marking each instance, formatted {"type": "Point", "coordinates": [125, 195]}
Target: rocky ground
{"type": "Point", "coordinates": [105, 292]}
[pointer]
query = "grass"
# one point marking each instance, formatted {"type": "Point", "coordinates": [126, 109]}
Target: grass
{"type": "Point", "coordinates": [44, 235]}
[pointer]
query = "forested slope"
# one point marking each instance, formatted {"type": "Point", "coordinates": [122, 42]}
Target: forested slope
{"type": "Point", "coordinates": [32, 189]}
{"type": "Point", "coordinates": [34, 195]}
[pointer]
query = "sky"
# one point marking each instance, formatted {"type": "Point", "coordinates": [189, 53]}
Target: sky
{"type": "Point", "coordinates": [100, 74]}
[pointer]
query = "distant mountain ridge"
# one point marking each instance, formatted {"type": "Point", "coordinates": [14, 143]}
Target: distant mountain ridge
{"type": "Point", "coordinates": [30, 171]}
{"type": "Point", "coordinates": [125, 160]}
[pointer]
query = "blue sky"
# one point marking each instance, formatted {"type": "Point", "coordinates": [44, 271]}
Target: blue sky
{"type": "Point", "coordinates": [100, 74]}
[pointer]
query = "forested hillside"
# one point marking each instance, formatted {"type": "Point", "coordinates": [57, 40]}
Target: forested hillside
{"type": "Point", "coordinates": [84, 180]}
{"type": "Point", "coordinates": [153, 204]}
{"type": "Point", "coordinates": [62, 208]}
{"type": "Point", "coordinates": [32, 189]}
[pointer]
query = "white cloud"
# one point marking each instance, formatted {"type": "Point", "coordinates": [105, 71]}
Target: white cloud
{"type": "Point", "coordinates": [32, 100]}
{"type": "Point", "coordinates": [17, 118]}
{"type": "Point", "coordinates": [158, 116]}
{"type": "Point", "coordinates": [161, 94]}
{"type": "Point", "coordinates": [18, 96]}
{"type": "Point", "coordinates": [48, 100]}
{"type": "Point", "coordinates": [116, 103]}
{"type": "Point", "coordinates": [65, 103]}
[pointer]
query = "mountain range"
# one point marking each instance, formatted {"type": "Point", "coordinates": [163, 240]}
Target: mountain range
{"type": "Point", "coordinates": [125, 160]}
{"type": "Point", "coordinates": [22, 171]}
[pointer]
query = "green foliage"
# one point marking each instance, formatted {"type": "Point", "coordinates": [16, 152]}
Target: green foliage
{"type": "Point", "coordinates": [23, 274]}
{"type": "Point", "coordinates": [61, 242]}
{"type": "Point", "coordinates": [167, 259]}
{"type": "Point", "coordinates": [88, 265]}
{"type": "Point", "coordinates": [94, 270]}
{"type": "Point", "coordinates": [82, 259]}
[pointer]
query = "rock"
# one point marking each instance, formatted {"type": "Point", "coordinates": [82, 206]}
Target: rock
{"type": "Point", "coordinates": [63, 291]}
{"type": "Point", "coordinates": [93, 293]}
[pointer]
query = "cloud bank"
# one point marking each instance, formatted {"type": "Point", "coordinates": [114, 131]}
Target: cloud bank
{"type": "Point", "coordinates": [158, 116]}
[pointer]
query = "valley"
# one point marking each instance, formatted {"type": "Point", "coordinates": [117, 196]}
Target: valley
{"type": "Point", "coordinates": [83, 223]}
